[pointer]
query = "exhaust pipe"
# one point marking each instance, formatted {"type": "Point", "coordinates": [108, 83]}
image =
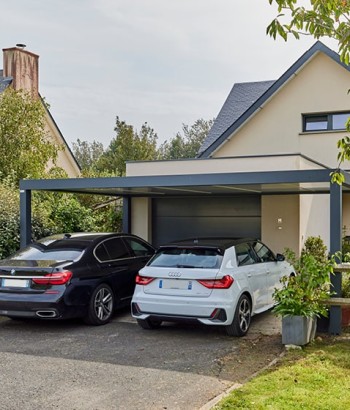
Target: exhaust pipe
{"type": "Point", "coordinates": [46, 313]}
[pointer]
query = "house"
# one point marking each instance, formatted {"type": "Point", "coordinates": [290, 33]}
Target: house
{"type": "Point", "coordinates": [21, 71]}
{"type": "Point", "coordinates": [290, 124]}
{"type": "Point", "coordinates": [264, 170]}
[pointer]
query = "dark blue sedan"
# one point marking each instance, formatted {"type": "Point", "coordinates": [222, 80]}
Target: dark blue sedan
{"type": "Point", "coordinates": [86, 275]}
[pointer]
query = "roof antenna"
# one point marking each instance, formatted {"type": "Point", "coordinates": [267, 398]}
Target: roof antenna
{"type": "Point", "coordinates": [20, 45]}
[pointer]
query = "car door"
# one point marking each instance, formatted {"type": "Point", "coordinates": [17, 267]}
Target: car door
{"type": "Point", "coordinates": [269, 266]}
{"type": "Point", "coordinates": [116, 264]}
{"type": "Point", "coordinates": [254, 274]}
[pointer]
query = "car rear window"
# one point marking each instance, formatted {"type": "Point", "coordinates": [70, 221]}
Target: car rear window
{"type": "Point", "coordinates": [187, 258]}
{"type": "Point", "coordinates": [43, 254]}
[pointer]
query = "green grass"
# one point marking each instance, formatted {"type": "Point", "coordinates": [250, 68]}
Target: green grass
{"type": "Point", "coordinates": [317, 377]}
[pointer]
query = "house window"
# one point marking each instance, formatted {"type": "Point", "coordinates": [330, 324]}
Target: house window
{"type": "Point", "coordinates": [325, 122]}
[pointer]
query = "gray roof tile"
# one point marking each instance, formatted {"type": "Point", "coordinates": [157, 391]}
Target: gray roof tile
{"type": "Point", "coordinates": [4, 82]}
{"type": "Point", "coordinates": [241, 97]}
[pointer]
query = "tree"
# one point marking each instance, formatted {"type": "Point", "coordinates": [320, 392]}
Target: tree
{"type": "Point", "coordinates": [87, 154]}
{"type": "Point", "coordinates": [188, 144]}
{"type": "Point", "coordinates": [128, 145]}
{"type": "Point", "coordinates": [322, 18]}
{"type": "Point", "coordinates": [25, 148]}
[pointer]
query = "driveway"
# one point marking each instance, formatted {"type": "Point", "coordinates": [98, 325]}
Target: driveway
{"type": "Point", "coordinates": [68, 365]}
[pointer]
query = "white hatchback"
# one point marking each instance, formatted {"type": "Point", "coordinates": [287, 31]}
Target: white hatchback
{"type": "Point", "coordinates": [215, 281]}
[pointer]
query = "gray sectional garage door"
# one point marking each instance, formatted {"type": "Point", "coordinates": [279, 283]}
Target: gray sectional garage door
{"type": "Point", "coordinates": [179, 218]}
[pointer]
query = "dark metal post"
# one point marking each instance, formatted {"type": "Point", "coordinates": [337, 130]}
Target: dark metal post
{"type": "Point", "coordinates": [335, 246]}
{"type": "Point", "coordinates": [25, 199]}
{"type": "Point", "coordinates": [126, 215]}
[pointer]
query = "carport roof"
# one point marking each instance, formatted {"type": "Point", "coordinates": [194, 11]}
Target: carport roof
{"type": "Point", "coordinates": [268, 182]}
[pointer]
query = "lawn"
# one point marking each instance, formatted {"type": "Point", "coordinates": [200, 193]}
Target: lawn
{"type": "Point", "coordinates": [316, 377]}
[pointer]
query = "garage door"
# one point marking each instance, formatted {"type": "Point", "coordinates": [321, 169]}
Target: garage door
{"type": "Point", "coordinates": [179, 218]}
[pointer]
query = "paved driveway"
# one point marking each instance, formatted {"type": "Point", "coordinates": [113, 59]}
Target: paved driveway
{"type": "Point", "coordinates": [68, 365]}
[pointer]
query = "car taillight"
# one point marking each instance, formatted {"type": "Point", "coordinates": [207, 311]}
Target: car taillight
{"type": "Point", "coordinates": [143, 280]}
{"type": "Point", "coordinates": [58, 278]}
{"type": "Point", "coordinates": [223, 283]}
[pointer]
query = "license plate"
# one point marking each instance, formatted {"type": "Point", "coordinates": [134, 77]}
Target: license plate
{"type": "Point", "coordinates": [15, 283]}
{"type": "Point", "coordinates": [175, 284]}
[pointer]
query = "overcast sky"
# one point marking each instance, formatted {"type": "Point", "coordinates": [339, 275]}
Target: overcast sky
{"type": "Point", "coordinates": [158, 61]}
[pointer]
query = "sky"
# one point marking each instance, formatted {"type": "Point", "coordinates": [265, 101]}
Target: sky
{"type": "Point", "coordinates": [163, 62]}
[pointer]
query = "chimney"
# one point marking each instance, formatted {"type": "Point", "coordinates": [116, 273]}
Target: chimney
{"type": "Point", "coordinates": [23, 67]}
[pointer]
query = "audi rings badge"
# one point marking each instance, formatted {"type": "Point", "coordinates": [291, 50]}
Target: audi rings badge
{"type": "Point", "coordinates": [174, 274]}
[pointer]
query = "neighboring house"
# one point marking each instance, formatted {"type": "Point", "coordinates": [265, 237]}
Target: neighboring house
{"type": "Point", "coordinates": [268, 128]}
{"type": "Point", "coordinates": [20, 71]}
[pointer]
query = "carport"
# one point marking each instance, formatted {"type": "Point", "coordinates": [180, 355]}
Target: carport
{"type": "Point", "coordinates": [306, 181]}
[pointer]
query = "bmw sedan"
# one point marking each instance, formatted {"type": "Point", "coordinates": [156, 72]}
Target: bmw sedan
{"type": "Point", "coordinates": [85, 275]}
{"type": "Point", "coordinates": [219, 282]}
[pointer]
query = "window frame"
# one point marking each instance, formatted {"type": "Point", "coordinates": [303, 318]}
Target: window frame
{"type": "Point", "coordinates": [323, 117]}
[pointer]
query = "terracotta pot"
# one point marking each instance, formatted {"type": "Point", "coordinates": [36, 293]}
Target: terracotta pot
{"type": "Point", "coordinates": [345, 315]}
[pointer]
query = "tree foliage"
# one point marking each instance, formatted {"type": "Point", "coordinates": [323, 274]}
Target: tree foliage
{"type": "Point", "coordinates": [187, 144]}
{"type": "Point", "coordinates": [25, 148]}
{"type": "Point", "coordinates": [321, 18]}
{"type": "Point", "coordinates": [87, 153]}
{"type": "Point", "coordinates": [128, 145]}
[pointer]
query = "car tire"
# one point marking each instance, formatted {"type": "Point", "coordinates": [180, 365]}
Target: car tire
{"type": "Point", "coordinates": [241, 320]}
{"type": "Point", "coordinates": [101, 306]}
{"type": "Point", "coordinates": [149, 324]}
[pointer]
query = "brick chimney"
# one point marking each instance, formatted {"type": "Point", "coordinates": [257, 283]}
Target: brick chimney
{"type": "Point", "coordinates": [23, 67]}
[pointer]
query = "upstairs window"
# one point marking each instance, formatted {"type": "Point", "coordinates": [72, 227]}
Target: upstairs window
{"type": "Point", "coordinates": [325, 122]}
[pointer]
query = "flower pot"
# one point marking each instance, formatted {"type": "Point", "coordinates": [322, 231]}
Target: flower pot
{"type": "Point", "coordinates": [345, 315]}
{"type": "Point", "coordinates": [298, 330]}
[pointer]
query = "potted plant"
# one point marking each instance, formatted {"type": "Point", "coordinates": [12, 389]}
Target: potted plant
{"type": "Point", "coordinates": [301, 298]}
{"type": "Point", "coordinates": [345, 310]}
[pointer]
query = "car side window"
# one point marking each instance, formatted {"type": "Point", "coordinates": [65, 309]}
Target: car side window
{"type": "Point", "coordinates": [139, 248]}
{"type": "Point", "coordinates": [244, 254]}
{"type": "Point", "coordinates": [263, 252]}
{"type": "Point", "coordinates": [101, 253]}
{"type": "Point", "coordinates": [114, 249]}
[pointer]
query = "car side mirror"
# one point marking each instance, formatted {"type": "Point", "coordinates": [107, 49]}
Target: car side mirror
{"type": "Point", "coordinates": [280, 257]}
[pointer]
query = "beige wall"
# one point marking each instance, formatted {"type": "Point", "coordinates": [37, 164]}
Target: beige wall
{"type": "Point", "coordinates": [321, 86]}
{"type": "Point", "coordinates": [314, 217]}
{"type": "Point", "coordinates": [141, 217]}
{"type": "Point", "coordinates": [217, 165]}
{"type": "Point", "coordinates": [65, 158]}
{"type": "Point", "coordinates": [280, 221]}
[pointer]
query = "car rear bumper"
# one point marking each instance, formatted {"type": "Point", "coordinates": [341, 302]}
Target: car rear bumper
{"type": "Point", "coordinates": [38, 306]}
{"type": "Point", "coordinates": [209, 312]}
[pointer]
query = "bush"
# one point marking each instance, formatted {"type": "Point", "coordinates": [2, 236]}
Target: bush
{"type": "Point", "coordinates": [305, 293]}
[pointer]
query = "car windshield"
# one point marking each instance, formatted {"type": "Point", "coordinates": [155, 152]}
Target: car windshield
{"type": "Point", "coordinates": [187, 258]}
{"type": "Point", "coordinates": [37, 253]}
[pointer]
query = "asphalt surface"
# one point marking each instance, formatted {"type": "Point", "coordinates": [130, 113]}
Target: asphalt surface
{"type": "Point", "coordinates": [68, 365]}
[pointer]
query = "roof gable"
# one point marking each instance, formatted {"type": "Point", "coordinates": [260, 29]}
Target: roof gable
{"type": "Point", "coordinates": [245, 99]}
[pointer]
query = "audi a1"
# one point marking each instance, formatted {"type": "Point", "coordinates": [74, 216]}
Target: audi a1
{"type": "Point", "coordinates": [214, 281]}
{"type": "Point", "coordinates": [85, 275]}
